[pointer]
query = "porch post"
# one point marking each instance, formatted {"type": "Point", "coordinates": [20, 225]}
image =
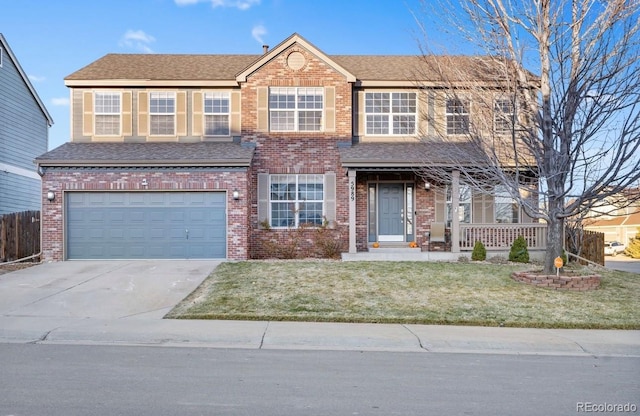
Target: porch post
{"type": "Point", "coordinates": [455, 205]}
{"type": "Point", "coordinates": [352, 211]}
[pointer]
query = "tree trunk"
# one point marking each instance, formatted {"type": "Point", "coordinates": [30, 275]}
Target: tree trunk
{"type": "Point", "coordinates": [555, 236]}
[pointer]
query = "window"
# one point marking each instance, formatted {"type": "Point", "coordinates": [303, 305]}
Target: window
{"type": "Point", "coordinates": [506, 207]}
{"type": "Point", "coordinates": [390, 113]}
{"type": "Point", "coordinates": [107, 114]}
{"type": "Point", "coordinates": [295, 109]}
{"type": "Point", "coordinates": [162, 108]}
{"type": "Point", "coordinates": [216, 114]}
{"type": "Point", "coordinates": [296, 199]}
{"type": "Point", "coordinates": [503, 116]}
{"type": "Point", "coordinates": [457, 114]}
{"type": "Point", "coordinates": [464, 207]}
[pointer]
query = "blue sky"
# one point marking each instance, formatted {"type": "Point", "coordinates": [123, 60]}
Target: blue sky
{"type": "Point", "coordinates": [52, 39]}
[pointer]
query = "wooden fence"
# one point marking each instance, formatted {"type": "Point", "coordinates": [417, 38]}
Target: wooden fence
{"type": "Point", "coordinates": [19, 235]}
{"type": "Point", "coordinates": [591, 245]}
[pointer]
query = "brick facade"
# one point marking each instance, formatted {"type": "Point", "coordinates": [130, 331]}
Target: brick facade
{"type": "Point", "coordinates": [61, 181]}
{"type": "Point", "coordinates": [296, 152]}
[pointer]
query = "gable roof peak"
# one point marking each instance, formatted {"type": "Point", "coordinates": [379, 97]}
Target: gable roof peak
{"type": "Point", "coordinates": [293, 39]}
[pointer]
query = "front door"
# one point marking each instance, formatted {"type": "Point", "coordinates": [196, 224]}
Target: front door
{"type": "Point", "coordinates": [391, 212]}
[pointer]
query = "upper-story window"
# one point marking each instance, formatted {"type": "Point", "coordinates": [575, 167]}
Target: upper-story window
{"type": "Point", "coordinates": [216, 113]}
{"type": "Point", "coordinates": [390, 113]}
{"type": "Point", "coordinates": [503, 116]}
{"type": "Point", "coordinates": [162, 113]}
{"type": "Point", "coordinates": [295, 109]}
{"type": "Point", "coordinates": [107, 113]}
{"type": "Point", "coordinates": [457, 114]}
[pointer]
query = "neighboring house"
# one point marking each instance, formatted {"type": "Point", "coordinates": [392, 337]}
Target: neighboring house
{"type": "Point", "coordinates": [621, 228]}
{"type": "Point", "coordinates": [218, 156]}
{"type": "Point", "coordinates": [24, 134]}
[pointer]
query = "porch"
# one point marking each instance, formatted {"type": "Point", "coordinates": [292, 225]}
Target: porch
{"type": "Point", "coordinates": [497, 239]}
{"type": "Point", "coordinates": [390, 206]}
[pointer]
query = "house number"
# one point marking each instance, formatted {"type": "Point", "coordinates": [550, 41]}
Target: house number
{"type": "Point", "coordinates": [352, 190]}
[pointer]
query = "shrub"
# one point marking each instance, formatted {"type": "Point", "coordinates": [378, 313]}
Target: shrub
{"type": "Point", "coordinates": [519, 252]}
{"type": "Point", "coordinates": [633, 248]}
{"type": "Point", "coordinates": [328, 243]}
{"type": "Point", "coordinates": [479, 252]}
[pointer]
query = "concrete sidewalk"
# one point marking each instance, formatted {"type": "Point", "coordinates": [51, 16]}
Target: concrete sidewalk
{"type": "Point", "coordinates": [319, 336]}
{"type": "Point", "coordinates": [123, 302]}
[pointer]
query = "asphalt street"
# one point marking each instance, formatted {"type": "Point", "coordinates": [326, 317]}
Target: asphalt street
{"type": "Point", "coordinates": [68, 380]}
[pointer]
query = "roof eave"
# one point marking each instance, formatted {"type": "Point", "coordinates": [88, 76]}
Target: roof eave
{"type": "Point", "coordinates": [144, 163]}
{"type": "Point", "coordinates": [149, 83]}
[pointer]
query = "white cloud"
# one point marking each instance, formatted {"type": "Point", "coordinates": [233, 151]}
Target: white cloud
{"type": "Point", "coordinates": [60, 102]}
{"type": "Point", "coordinates": [239, 4]}
{"type": "Point", "coordinates": [258, 32]}
{"type": "Point", "coordinates": [36, 78]}
{"type": "Point", "coordinates": [138, 40]}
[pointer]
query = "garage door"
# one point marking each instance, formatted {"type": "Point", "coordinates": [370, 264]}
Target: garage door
{"type": "Point", "coordinates": [145, 225]}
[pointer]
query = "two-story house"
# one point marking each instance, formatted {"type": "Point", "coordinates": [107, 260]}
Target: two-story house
{"type": "Point", "coordinates": [24, 134]}
{"type": "Point", "coordinates": [218, 156]}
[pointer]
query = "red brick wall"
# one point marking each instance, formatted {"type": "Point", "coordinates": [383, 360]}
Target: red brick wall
{"type": "Point", "coordinates": [296, 152]}
{"type": "Point", "coordinates": [61, 180]}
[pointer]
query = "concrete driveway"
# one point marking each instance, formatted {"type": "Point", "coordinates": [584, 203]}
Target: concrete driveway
{"type": "Point", "coordinates": [100, 289]}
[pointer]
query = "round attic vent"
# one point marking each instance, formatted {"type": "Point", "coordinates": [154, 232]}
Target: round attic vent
{"type": "Point", "coordinates": [295, 60]}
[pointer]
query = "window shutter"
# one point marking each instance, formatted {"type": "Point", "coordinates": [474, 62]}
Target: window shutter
{"type": "Point", "coordinates": [330, 109]}
{"type": "Point", "coordinates": [235, 113]}
{"type": "Point", "coordinates": [143, 113]}
{"type": "Point", "coordinates": [263, 109]}
{"type": "Point", "coordinates": [263, 198]}
{"type": "Point", "coordinates": [360, 114]}
{"type": "Point", "coordinates": [127, 129]}
{"type": "Point", "coordinates": [87, 113]}
{"type": "Point", "coordinates": [330, 196]}
{"type": "Point", "coordinates": [197, 122]}
{"type": "Point", "coordinates": [440, 204]}
{"type": "Point", "coordinates": [181, 113]}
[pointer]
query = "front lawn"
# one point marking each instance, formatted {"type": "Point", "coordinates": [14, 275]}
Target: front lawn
{"type": "Point", "coordinates": [407, 292]}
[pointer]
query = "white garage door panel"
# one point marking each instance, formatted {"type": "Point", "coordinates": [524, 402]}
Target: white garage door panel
{"type": "Point", "coordinates": [121, 225]}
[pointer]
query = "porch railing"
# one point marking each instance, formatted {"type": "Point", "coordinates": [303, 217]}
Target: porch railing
{"type": "Point", "coordinates": [501, 236]}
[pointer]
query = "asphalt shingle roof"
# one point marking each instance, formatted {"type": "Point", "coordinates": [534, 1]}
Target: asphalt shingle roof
{"type": "Point", "coordinates": [408, 154]}
{"type": "Point", "coordinates": [148, 154]}
{"type": "Point", "coordinates": [158, 67]}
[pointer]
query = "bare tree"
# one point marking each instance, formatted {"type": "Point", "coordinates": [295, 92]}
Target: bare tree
{"type": "Point", "coordinates": [574, 125]}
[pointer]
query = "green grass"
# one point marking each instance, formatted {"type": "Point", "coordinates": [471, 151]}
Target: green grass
{"type": "Point", "coordinates": [407, 292]}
